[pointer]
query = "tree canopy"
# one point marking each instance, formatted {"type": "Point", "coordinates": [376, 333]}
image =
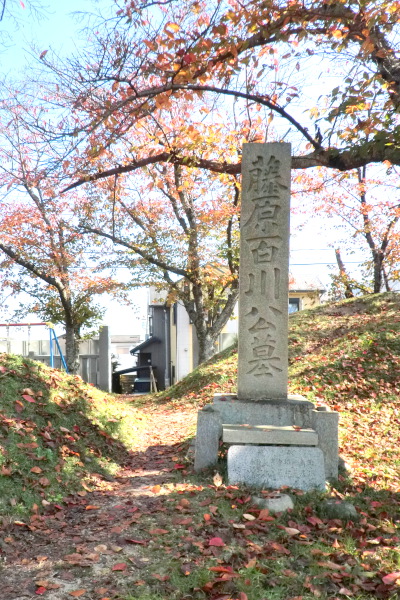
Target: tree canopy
{"type": "Point", "coordinates": [326, 73]}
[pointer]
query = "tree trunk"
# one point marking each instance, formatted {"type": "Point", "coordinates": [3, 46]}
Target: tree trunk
{"type": "Point", "coordinates": [206, 345]}
{"type": "Point", "coordinates": [378, 260]}
{"type": "Point", "coordinates": [71, 349]}
{"type": "Point", "coordinates": [348, 291]}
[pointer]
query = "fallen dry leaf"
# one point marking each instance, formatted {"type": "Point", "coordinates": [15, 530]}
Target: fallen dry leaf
{"type": "Point", "coordinates": [391, 578]}
{"type": "Point", "coordinates": [249, 517]}
{"type": "Point", "coordinates": [158, 531]}
{"type": "Point", "coordinates": [120, 567]}
{"type": "Point", "coordinates": [216, 541]}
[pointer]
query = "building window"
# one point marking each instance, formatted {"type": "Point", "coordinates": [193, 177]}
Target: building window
{"type": "Point", "coordinates": [151, 312]}
{"type": "Point", "coordinates": [174, 313]}
{"type": "Point", "coordinates": [294, 305]}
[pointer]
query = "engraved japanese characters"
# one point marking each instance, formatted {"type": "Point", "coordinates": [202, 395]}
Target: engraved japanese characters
{"type": "Point", "coordinates": [264, 268]}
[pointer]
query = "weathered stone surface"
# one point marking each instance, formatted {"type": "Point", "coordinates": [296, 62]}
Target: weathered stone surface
{"type": "Point", "coordinates": [268, 434]}
{"type": "Point", "coordinates": [275, 466]}
{"type": "Point", "coordinates": [277, 504]}
{"type": "Point", "coordinates": [296, 410]}
{"type": "Point", "coordinates": [264, 269]}
{"type": "Point", "coordinates": [209, 429]}
{"type": "Point", "coordinates": [336, 509]}
{"type": "Point", "coordinates": [326, 424]}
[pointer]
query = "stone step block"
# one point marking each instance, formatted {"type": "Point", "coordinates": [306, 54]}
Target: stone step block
{"type": "Point", "coordinates": [268, 435]}
{"type": "Point", "coordinates": [276, 466]}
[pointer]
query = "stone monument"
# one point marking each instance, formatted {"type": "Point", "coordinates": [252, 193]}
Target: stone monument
{"type": "Point", "coordinates": [274, 439]}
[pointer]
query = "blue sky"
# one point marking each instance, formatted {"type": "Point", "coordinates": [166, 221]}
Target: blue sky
{"type": "Point", "coordinates": [58, 29]}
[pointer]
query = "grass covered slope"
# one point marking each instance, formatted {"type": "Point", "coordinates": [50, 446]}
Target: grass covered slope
{"type": "Point", "coordinates": [345, 354]}
{"type": "Point", "coordinates": [56, 433]}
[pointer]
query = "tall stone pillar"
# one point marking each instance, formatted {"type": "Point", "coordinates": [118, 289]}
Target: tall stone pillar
{"type": "Point", "coordinates": [264, 272]}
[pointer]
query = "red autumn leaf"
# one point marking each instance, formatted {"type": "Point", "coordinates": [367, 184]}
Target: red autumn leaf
{"type": "Point", "coordinates": [91, 507]}
{"type": "Point", "coordinates": [120, 567]}
{"type": "Point", "coordinates": [29, 398]}
{"type": "Point", "coordinates": [216, 541]}
{"type": "Point", "coordinates": [140, 542]}
{"type": "Point", "coordinates": [391, 578]}
{"type": "Point", "coordinates": [41, 590]}
{"type": "Point", "coordinates": [221, 569]}
{"type": "Point", "coordinates": [178, 466]}
{"type": "Point", "coordinates": [314, 521]}
{"type": "Point", "coordinates": [18, 406]}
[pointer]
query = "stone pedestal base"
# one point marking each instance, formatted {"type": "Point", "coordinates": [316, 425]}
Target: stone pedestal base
{"type": "Point", "coordinates": [269, 422]}
{"type": "Point", "coordinates": [276, 466]}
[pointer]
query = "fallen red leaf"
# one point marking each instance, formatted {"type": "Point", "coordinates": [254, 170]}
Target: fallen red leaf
{"type": "Point", "coordinates": [91, 507]}
{"type": "Point", "coordinates": [29, 398]}
{"type": "Point", "coordinates": [216, 541]}
{"type": "Point", "coordinates": [391, 578]}
{"type": "Point", "coordinates": [140, 542]}
{"type": "Point", "coordinates": [41, 590]}
{"type": "Point", "coordinates": [119, 567]}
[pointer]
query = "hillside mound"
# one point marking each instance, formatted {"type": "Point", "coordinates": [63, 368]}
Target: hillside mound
{"type": "Point", "coordinates": [344, 354]}
{"type": "Point", "coordinates": [57, 434]}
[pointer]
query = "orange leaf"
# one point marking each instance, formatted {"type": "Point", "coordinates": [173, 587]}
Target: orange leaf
{"type": "Point", "coordinates": [161, 577]}
{"type": "Point", "coordinates": [158, 531]}
{"type": "Point", "coordinates": [36, 470]}
{"type": "Point", "coordinates": [91, 507]}
{"type": "Point", "coordinates": [156, 489]}
{"type": "Point", "coordinates": [119, 567]}
{"type": "Point", "coordinates": [221, 569]}
{"type": "Point", "coordinates": [77, 593]}
{"type": "Point", "coordinates": [207, 517]}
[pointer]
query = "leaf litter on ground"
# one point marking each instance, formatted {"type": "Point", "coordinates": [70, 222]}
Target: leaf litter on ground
{"type": "Point", "coordinates": [166, 532]}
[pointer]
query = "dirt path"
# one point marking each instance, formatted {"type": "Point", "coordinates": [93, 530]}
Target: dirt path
{"type": "Point", "coordinates": [93, 547]}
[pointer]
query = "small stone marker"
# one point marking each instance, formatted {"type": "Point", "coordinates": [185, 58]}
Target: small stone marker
{"type": "Point", "coordinates": [264, 272]}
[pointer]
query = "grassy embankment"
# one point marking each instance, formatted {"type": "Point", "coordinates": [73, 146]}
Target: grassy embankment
{"type": "Point", "coordinates": [210, 541]}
